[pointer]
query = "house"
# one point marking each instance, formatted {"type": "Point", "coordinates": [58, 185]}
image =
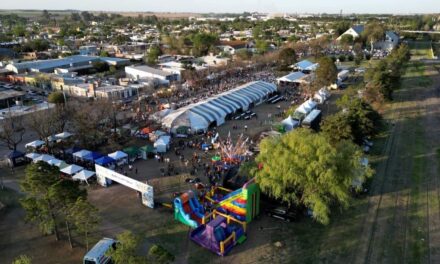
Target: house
{"type": "Point", "coordinates": [214, 61]}
{"type": "Point", "coordinates": [293, 79]}
{"type": "Point", "coordinates": [389, 43]}
{"type": "Point", "coordinates": [146, 72]}
{"type": "Point", "coordinates": [232, 47]}
{"type": "Point", "coordinates": [305, 66]}
{"type": "Point", "coordinates": [354, 31]}
{"type": "Point", "coordinates": [89, 50]}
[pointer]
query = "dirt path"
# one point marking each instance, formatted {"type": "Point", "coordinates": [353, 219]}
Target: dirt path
{"type": "Point", "coordinates": [403, 216]}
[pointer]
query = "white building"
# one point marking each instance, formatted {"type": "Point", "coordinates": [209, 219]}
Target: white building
{"type": "Point", "coordinates": [146, 72]}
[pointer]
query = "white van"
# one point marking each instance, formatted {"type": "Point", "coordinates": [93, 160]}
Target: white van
{"type": "Point", "coordinates": [97, 254]}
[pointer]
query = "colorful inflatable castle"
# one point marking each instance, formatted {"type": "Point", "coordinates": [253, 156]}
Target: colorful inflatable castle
{"type": "Point", "coordinates": [225, 226]}
{"type": "Point", "coordinates": [243, 204]}
{"type": "Point", "coordinates": [188, 210]}
{"type": "Point", "coordinates": [220, 235]}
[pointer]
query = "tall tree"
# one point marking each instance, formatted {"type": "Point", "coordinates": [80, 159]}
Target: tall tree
{"type": "Point", "coordinates": [303, 168]}
{"type": "Point", "coordinates": [12, 129]}
{"type": "Point", "coordinates": [63, 195]}
{"type": "Point", "coordinates": [46, 123]}
{"type": "Point", "coordinates": [85, 217]}
{"type": "Point", "coordinates": [37, 203]}
{"type": "Point", "coordinates": [337, 127]}
{"type": "Point", "coordinates": [287, 57]}
{"type": "Point", "coordinates": [374, 31]}
{"type": "Point", "coordinates": [326, 73]}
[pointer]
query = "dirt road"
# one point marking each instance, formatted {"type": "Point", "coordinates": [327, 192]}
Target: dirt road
{"type": "Point", "coordinates": [403, 218]}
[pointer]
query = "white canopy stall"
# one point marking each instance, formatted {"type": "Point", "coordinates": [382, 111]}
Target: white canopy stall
{"type": "Point", "coordinates": [32, 156]}
{"type": "Point", "coordinates": [83, 175]}
{"type": "Point", "coordinates": [289, 123]}
{"type": "Point", "coordinates": [81, 154]}
{"type": "Point", "coordinates": [72, 169]}
{"type": "Point", "coordinates": [120, 157]}
{"type": "Point", "coordinates": [34, 144]}
{"type": "Point", "coordinates": [46, 158]}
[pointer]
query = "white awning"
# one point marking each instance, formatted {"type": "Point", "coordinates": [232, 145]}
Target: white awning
{"type": "Point", "coordinates": [83, 175]}
{"type": "Point", "coordinates": [35, 144]}
{"type": "Point", "coordinates": [72, 169]}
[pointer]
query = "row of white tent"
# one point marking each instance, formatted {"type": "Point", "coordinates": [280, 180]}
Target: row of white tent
{"type": "Point", "coordinates": [57, 137]}
{"type": "Point", "coordinates": [304, 109]}
{"type": "Point", "coordinates": [77, 172]}
{"type": "Point", "coordinates": [199, 116]}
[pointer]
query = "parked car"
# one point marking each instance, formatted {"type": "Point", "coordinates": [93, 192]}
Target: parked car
{"type": "Point", "coordinates": [282, 213]}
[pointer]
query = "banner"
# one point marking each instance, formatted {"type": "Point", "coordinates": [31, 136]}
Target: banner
{"type": "Point", "coordinates": [147, 191]}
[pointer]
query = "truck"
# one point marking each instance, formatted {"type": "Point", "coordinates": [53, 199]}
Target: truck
{"type": "Point", "coordinates": [312, 120]}
{"type": "Point", "coordinates": [97, 254]}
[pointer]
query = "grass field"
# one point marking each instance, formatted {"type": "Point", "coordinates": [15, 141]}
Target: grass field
{"type": "Point", "coordinates": [421, 49]}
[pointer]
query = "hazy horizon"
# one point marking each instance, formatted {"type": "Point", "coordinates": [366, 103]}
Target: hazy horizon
{"type": "Point", "coordinates": [232, 6]}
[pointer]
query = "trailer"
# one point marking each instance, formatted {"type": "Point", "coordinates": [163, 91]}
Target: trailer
{"type": "Point", "coordinates": [312, 120]}
{"type": "Point", "coordinates": [343, 75]}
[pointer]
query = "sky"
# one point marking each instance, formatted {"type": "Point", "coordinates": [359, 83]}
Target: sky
{"type": "Point", "coordinates": [233, 6]}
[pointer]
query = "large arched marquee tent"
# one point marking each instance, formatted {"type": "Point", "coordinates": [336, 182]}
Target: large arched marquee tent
{"type": "Point", "coordinates": [213, 111]}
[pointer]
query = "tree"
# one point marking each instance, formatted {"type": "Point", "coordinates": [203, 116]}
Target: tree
{"type": "Point", "coordinates": [364, 121]}
{"type": "Point", "coordinates": [337, 127]}
{"type": "Point", "coordinates": [203, 42]}
{"type": "Point", "coordinates": [243, 55]}
{"type": "Point", "coordinates": [12, 130]}
{"type": "Point", "coordinates": [46, 123]}
{"type": "Point", "coordinates": [153, 55]}
{"type": "Point", "coordinates": [56, 97]}
{"type": "Point", "coordinates": [92, 121]}
{"type": "Point", "coordinates": [104, 53]}
{"type": "Point", "coordinates": [287, 57]}
{"type": "Point", "coordinates": [63, 195]}
{"type": "Point", "coordinates": [100, 66]}
{"type": "Point", "coordinates": [85, 217]}
{"type": "Point", "coordinates": [374, 31]}
{"type": "Point", "coordinates": [39, 207]}
{"type": "Point", "coordinates": [303, 168]}
{"type": "Point", "coordinates": [262, 46]}
{"type": "Point", "coordinates": [359, 53]}
{"type": "Point", "coordinates": [22, 259]}
{"type": "Point", "coordinates": [346, 40]}
{"type": "Point", "coordinates": [125, 252]}
{"type": "Point", "coordinates": [160, 255]}
{"type": "Point", "coordinates": [326, 73]}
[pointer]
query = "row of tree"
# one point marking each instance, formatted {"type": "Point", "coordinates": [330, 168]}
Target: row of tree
{"type": "Point", "coordinates": [385, 77]}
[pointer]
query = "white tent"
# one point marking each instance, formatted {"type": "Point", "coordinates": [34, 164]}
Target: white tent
{"type": "Point", "coordinates": [55, 162]}
{"type": "Point", "coordinates": [322, 95]}
{"type": "Point", "coordinates": [162, 144]}
{"type": "Point", "coordinates": [293, 77]}
{"type": "Point", "coordinates": [119, 156]}
{"type": "Point", "coordinates": [63, 135]}
{"type": "Point", "coordinates": [214, 110]}
{"type": "Point", "coordinates": [289, 124]}
{"type": "Point", "coordinates": [306, 107]}
{"type": "Point", "coordinates": [72, 169]}
{"type": "Point", "coordinates": [52, 138]}
{"type": "Point", "coordinates": [32, 156]}
{"type": "Point", "coordinates": [46, 158]}
{"type": "Point", "coordinates": [83, 175]}
{"type": "Point", "coordinates": [82, 153]}
{"type": "Point", "coordinates": [35, 144]}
